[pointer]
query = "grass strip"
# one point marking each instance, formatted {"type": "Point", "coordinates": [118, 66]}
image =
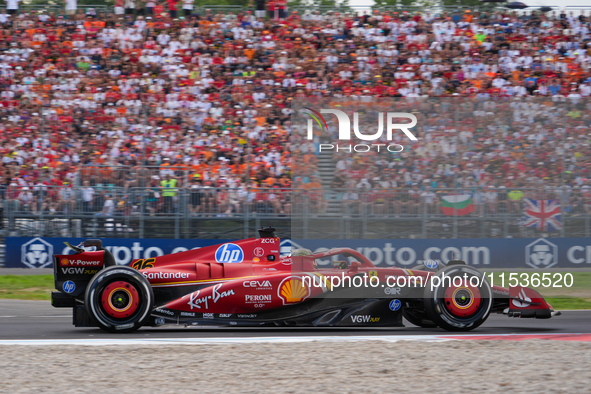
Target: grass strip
{"type": "Point", "coordinates": [26, 287]}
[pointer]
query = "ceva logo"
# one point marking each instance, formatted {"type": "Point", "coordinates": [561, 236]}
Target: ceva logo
{"type": "Point", "coordinates": [541, 254]}
{"type": "Point", "coordinates": [344, 125]}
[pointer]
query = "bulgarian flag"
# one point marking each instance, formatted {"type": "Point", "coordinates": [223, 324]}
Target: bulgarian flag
{"type": "Point", "coordinates": [460, 205]}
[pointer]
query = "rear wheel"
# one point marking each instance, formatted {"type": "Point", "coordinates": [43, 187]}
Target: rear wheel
{"type": "Point", "coordinates": [119, 299]}
{"type": "Point", "coordinates": [461, 301]}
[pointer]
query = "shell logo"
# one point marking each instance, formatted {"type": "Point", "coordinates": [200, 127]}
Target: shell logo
{"type": "Point", "coordinates": [64, 261]}
{"type": "Point", "coordinates": [292, 290]}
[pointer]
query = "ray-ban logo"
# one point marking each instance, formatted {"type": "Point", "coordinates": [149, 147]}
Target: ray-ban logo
{"type": "Point", "coordinates": [392, 124]}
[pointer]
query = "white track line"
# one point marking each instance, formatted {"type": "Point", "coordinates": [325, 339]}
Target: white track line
{"type": "Point", "coordinates": [222, 340]}
{"type": "Point", "coordinates": [278, 339]}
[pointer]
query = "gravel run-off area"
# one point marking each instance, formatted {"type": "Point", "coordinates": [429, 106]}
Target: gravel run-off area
{"type": "Point", "coordinates": [351, 367]}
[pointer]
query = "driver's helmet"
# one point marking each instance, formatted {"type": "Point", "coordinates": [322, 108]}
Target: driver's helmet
{"type": "Point", "coordinates": [340, 264]}
{"type": "Point", "coordinates": [304, 252]}
{"type": "Point", "coordinates": [301, 252]}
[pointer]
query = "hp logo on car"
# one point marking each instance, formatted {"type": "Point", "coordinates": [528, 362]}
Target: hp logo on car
{"type": "Point", "coordinates": [431, 264]}
{"type": "Point", "coordinates": [395, 305]}
{"type": "Point", "coordinates": [229, 253]}
{"type": "Point", "coordinates": [69, 286]}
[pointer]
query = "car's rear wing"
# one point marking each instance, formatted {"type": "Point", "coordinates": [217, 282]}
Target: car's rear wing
{"type": "Point", "coordinates": [72, 272]}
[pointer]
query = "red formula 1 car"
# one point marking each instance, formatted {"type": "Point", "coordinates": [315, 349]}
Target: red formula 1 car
{"type": "Point", "coordinates": [247, 283]}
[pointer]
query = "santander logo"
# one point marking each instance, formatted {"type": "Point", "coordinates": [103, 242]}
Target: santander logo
{"type": "Point", "coordinates": [166, 275]}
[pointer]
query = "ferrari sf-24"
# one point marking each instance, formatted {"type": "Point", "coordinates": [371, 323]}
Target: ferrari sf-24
{"type": "Point", "coordinates": [248, 283]}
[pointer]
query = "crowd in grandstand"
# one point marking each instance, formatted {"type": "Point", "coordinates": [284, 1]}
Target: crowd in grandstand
{"type": "Point", "coordinates": [188, 103]}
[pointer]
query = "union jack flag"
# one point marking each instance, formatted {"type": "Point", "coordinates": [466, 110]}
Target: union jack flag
{"type": "Point", "coordinates": [543, 215]}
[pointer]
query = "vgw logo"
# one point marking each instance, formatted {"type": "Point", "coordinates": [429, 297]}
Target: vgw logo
{"type": "Point", "coordinates": [229, 253]}
{"type": "Point", "coordinates": [344, 123]}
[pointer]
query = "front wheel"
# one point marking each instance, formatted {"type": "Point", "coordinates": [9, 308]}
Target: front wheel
{"type": "Point", "coordinates": [119, 299]}
{"type": "Point", "coordinates": [458, 298]}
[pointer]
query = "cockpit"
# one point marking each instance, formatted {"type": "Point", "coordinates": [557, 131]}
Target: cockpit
{"type": "Point", "coordinates": [328, 260]}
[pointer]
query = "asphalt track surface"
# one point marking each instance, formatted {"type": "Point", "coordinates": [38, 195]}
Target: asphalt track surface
{"type": "Point", "coordinates": [23, 320]}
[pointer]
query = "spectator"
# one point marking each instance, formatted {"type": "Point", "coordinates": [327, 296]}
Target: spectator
{"type": "Point", "coordinates": [222, 199]}
{"type": "Point", "coordinates": [315, 195]}
{"type": "Point", "coordinates": [4, 17]}
{"type": "Point", "coordinates": [491, 199]}
{"type": "Point", "coordinates": [140, 8]}
{"type": "Point", "coordinates": [188, 6]}
{"type": "Point", "coordinates": [237, 196]}
{"type": "Point", "coordinates": [172, 8]}
{"type": "Point", "coordinates": [479, 201]}
{"type": "Point", "coordinates": [586, 199]}
{"type": "Point", "coordinates": [196, 195]}
{"type": "Point", "coordinates": [281, 200]}
{"type": "Point", "coordinates": [153, 194]}
{"type": "Point", "coordinates": [379, 196]}
{"type": "Point", "coordinates": [209, 198]}
{"type": "Point", "coordinates": [260, 8]}
{"type": "Point", "coordinates": [428, 200]}
{"type": "Point", "coordinates": [576, 201]}
{"type": "Point", "coordinates": [350, 200]}
{"type": "Point", "coordinates": [503, 203]}
{"type": "Point", "coordinates": [119, 8]}
{"type": "Point", "coordinates": [281, 6]}
{"type": "Point", "coordinates": [413, 202]}
{"type": "Point", "coordinates": [273, 11]}
{"type": "Point", "coordinates": [129, 6]}
{"type": "Point", "coordinates": [12, 6]}
{"type": "Point", "coordinates": [26, 200]}
{"type": "Point", "coordinates": [169, 192]}
{"type": "Point", "coordinates": [3, 187]}
{"type": "Point", "coordinates": [261, 203]}
{"type": "Point", "coordinates": [71, 7]}
{"type": "Point", "coordinates": [87, 197]}
{"type": "Point", "coordinates": [67, 198]}
{"type": "Point", "coordinates": [515, 196]}
{"type": "Point", "coordinates": [150, 4]}
{"type": "Point", "coordinates": [108, 207]}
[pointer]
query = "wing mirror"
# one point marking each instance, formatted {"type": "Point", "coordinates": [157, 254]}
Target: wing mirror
{"type": "Point", "coordinates": [355, 266]}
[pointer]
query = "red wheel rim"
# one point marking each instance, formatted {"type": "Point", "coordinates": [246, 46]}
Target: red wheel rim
{"type": "Point", "coordinates": [120, 299]}
{"type": "Point", "coordinates": [462, 300]}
